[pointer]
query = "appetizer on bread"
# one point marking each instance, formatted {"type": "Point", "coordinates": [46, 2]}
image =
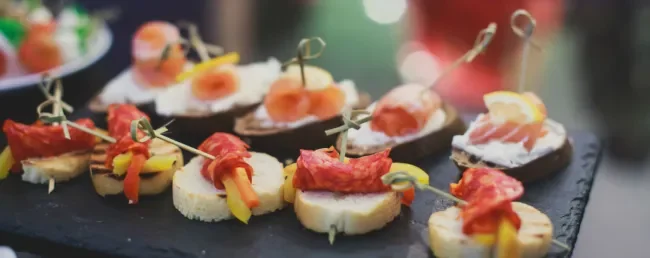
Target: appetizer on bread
{"type": "Point", "coordinates": [232, 182]}
{"type": "Point", "coordinates": [217, 91]}
{"type": "Point", "coordinates": [158, 57]}
{"type": "Point", "coordinates": [43, 153]}
{"type": "Point", "coordinates": [132, 167]}
{"type": "Point", "coordinates": [514, 136]}
{"type": "Point", "coordinates": [490, 223]}
{"type": "Point", "coordinates": [348, 197]}
{"type": "Point", "coordinates": [411, 119]}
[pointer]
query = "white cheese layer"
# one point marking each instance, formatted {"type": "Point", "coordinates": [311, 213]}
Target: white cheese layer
{"type": "Point", "coordinates": [511, 155]}
{"type": "Point", "coordinates": [254, 82]}
{"type": "Point", "coordinates": [124, 89]}
{"type": "Point", "coordinates": [369, 138]}
{"type": "Point", "coordinates": [351, 99]}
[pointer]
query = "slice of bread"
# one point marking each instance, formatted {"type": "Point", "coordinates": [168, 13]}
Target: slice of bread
{"type": "Point", "coordinates": [350, 214]}
{"type": "Point", "coordinates": [415, 149]}
{"type": "Point", "coordinates": [107, 183]}
{"type": "Point", "coordinates": [447, 240]}
{"type": "Point", "coordinates": [288, 141]}
{"type": "Point", "coordinates": [539, 168]}
{"type": "Point", "coordinates": [61, 168]}
{"type": "Point", "coordinates": [200, 124]}
{"type": "Point", "coordinates": [198, 199]}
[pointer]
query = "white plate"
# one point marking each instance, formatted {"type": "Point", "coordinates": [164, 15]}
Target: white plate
{"type": "Point", "coordinates": [98, 48]}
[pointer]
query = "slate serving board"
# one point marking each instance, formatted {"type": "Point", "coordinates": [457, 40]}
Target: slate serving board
{"type": "Point", "coordinates": [75, 222]}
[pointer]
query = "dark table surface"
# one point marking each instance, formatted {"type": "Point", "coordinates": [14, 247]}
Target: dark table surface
{"type": "Point", "coordinates": [615, 222]}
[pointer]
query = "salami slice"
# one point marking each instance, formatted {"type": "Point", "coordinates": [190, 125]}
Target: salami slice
{"type": "Point", "coordinates": [38, 140]}
{"type": "Point", "coordinates": [120, 117]}
{"type": "Point", "coordinates": [229, 152]}
{"type": "Point", "coordinates": [489, 194]}
{"type": "Point", "coordinates": [321, 170]}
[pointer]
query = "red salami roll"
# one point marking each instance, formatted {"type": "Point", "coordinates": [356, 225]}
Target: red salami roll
{"type": "Point", "coordinates": [229, 152]}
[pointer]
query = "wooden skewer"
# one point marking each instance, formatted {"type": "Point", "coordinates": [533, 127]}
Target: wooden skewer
{"type": "Point", "coordinates": [526, 34]}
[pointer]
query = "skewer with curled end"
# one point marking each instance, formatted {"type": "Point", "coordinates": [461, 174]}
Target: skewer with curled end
{"type": "Point", "coordinates": [402, 181]}
{"type": "Point", "coordinates": [348, 123]}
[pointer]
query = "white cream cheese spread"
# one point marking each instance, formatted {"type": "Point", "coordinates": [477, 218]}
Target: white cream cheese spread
{"type": "Point", "coordinates": [351, 99]}
{"type": "Point", "coordinates": [511, 155]}
{"type": "Point", "coordinates": [254, 82]}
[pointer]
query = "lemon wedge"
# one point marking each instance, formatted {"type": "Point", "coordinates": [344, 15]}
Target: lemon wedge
{"type": "Point", "coordinates": [316, 78]}
{"type": "Point", "coordinates": [230, 58]}
{"type": "Point", "coordinates": [512, 106]}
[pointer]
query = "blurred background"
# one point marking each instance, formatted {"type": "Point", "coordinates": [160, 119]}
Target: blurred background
{"type": "Point", "coordinates": [593, 71]}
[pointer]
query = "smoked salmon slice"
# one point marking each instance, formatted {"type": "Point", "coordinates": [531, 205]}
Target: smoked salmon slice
{"type": "Point", "coordinates": [486, 131]}
{"type": "Point", "coordinates": [326, 103]}
{"type": "Point", "coordinates": [149, 43]}
{"type": "Point", "coordinates": [405, 110]}
{"type": "Point", "coordinates": [215, 83]}
{"type": "Point", "coordinates": [287, 100]}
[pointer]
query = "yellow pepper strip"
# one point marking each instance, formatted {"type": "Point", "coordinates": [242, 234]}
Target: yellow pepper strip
{"type": "Point", "coordinates": [289, 191]}
{"type": "Point", "coordinates": [235, 203]}
{"type": "Point", "coordinates": [6, 162]}
{"type": "Point", "coordinates": [484, 239]}
{"type": "Point", "coordinates": [230, 58]}
{"type": "Point", "coordinates": [101, 131]}
{"type": "Point", "coordinates": [418, 173]}
{"type": "Point", "coordinates": [507, 245]}
{"type": "Point", "coordinates": [153, 164]}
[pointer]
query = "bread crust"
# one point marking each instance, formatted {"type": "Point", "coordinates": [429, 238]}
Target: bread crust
{"type": "Point", "coordinates": [267, 183]}
{"type": "Point", "coordinates": [106, 183]}
{"type": "Point", "coordinates": [288, 141]}
{"type": "Point", "coordinates": [416, 149]}
{"type": "Point", "coordinates": [537, 169]}
{"type": "Point", "coordinates": [60, 168]}
{"type": "Point", "coordinates": [447, 240]}
{"type": "Point", "coordinates": [318, 214]}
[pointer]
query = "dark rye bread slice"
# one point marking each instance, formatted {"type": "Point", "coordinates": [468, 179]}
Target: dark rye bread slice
{"type": "Point", "coordinates": [537, 169]}
{"type": "Point", "coordinates": [287, 142]}
{"type": "Point", "coordinates": [107, 183]}
{"type": "Point", "coordinates": [418, 148]}
{"type": "Point", "coordinates": [200, 124]}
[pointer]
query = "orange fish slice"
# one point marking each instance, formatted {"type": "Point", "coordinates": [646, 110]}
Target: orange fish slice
{"type": "Point", "coordinates": [405, 110]}
{"type": "Point", "coordinates": [149, 44]}
{"type": "Point", "coordinates": [487, 131]}
{"type": "Point", "coordinates": [215, 83]}
{"type": "Point", "coordinates": [287, 100]}
{"type": "Point", "coordinates": [326, 103]}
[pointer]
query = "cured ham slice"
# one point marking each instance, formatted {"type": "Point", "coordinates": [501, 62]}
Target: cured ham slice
{"type": "Point", "coordinates": [489, 194]}
{"type": "Point", "coordinates": [322, 170]}
{"type": "Point", "coordinates": [229, 152]}
{"type": "Point", "coordinates": [405, 110]}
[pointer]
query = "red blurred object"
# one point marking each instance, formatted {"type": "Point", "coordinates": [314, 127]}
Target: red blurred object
{"type": "Point", "coordinates": [448, 29]}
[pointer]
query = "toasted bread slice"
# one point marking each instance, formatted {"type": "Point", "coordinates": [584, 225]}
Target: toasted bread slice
{"type": "Point", "coordinates": [350, 214]}
{"type": "Point", "coordinates": [61, 168]}
{"type": "Point", "coordinates": [411, 151]}
{"type": "Point", "coordinates": [196, 198]}
{"type": "Point", "coordinates": [287, 141]}
{"type": "Point", "coordinates": [539, 168]}
{"type": "Point", "coordinates": [447, 240]}
{"type": "Point", "coordinates": [107, 183]}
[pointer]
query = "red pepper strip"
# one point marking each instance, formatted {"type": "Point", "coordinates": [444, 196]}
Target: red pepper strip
{"type": "Point", "coordinates": [132, 180]}
{"type": "Point", "coordinates": [245, 188]}
{"type": "Point", "coordinates": [408, 196]}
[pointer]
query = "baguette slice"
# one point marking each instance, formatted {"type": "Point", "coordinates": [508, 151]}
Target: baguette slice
{"type": "Point", "coordinates": [350, 214]}
{"type": "Point", "coordinates": [288, 141]}
{"type": "Point", "coordinates": [411, 151]}
{"type": "Point", "coordinates": [196, 198]}
{"type": "Point", "coordinates": [107, 183]}
{"type": "Point", "coordinates": [537, 169]}
{"type": "Point", "coordinates": [447, 240]}
{"type": "Point", "coordinates": [61, 168]}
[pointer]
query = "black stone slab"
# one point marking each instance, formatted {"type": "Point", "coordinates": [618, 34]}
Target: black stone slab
{"type": "Point", "coordinates": [75, 222]}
